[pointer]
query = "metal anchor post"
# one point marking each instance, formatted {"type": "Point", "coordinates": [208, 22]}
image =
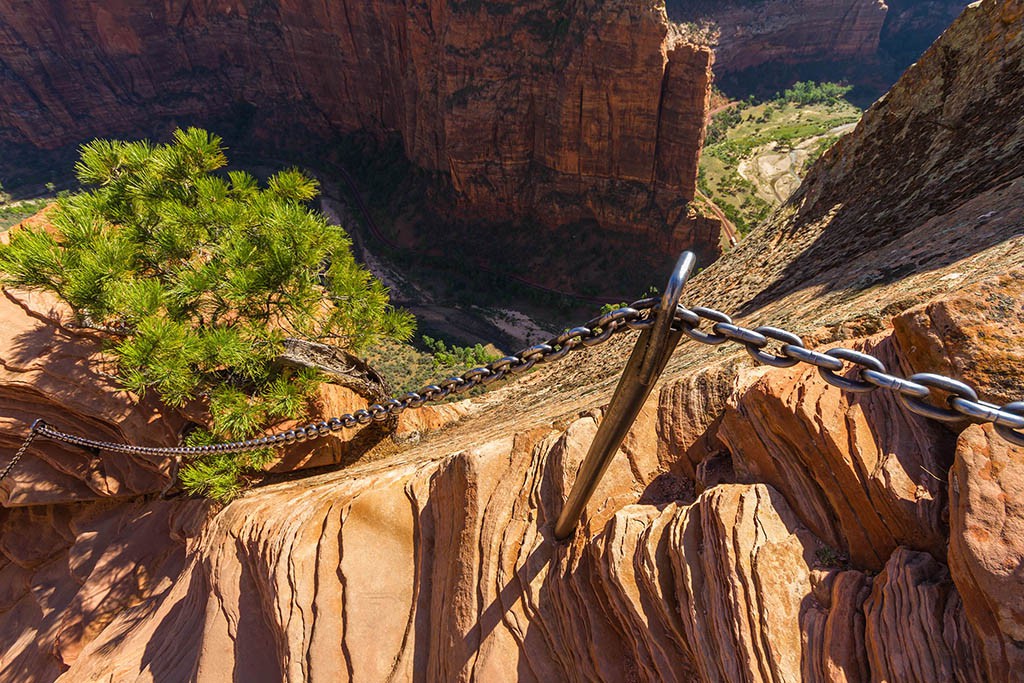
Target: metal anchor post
{"type": "Point", "coordinates": [645, 365]}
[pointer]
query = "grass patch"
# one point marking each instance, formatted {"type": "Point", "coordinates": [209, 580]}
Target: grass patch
{"type": "Point", "coordinates": [830, 558]}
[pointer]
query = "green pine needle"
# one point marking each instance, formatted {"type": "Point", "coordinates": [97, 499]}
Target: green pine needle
{"type": "Point", "coordinates": [206, 273]}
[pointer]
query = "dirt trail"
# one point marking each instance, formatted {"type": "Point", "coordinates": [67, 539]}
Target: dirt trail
{"type": "Point", "coordinates": [776, 173]}
{"type": "Point", "coordinates": [720, 109]}
{"type": "Point", "coordinates": [731, 233]}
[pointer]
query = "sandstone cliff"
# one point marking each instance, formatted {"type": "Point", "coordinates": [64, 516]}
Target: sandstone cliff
{"type": "Point", "coordinates": [546, 112]}
{"type": "Point", "coordinates": [757, 525]}
{"type": "Point", "coordinates": [753, 33]}
{"type": "Point", "coordinates": [868, 42]}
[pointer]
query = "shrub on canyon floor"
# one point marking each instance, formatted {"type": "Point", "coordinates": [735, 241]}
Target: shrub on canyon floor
{"type": "Point", "coordinates": [199, 277]}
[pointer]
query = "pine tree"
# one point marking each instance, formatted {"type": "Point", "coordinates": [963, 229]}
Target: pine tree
{"type": "Point", "coordinates": [200, 276]}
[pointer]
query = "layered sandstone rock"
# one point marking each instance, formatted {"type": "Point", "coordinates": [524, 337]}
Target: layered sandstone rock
{"type": "Point", "coordinates": [545, 112]}
{"type": "Point", "coordinates": [773, 32]}
{"type": "Point", "coordinates": [432, 566]}
{"type": "Point", "coordinates": [437, 571]}
{"type": "Point", "coordinates": [757, 525]}
{"type": "Point", "coordinates": [985, 545]}
{"type": "Point", "coordinates": [779, 31]}
{"type": "Point", "coordinates": [868, 482]}
{"type": "Point", "coordinates": [971, 334]}
{"type": "Point", "coordinates": [52, 370]}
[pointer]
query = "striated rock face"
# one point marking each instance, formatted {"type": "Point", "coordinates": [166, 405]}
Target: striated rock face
{"type": "Point", "coordinates": [441, 567]}
{"type": "Point", "coordinates": [757, 525]}
{"type": "Point", "coordinates": [780, 31]}
{"type": "Point", "coordinates": [544, 111]}
{"type": "Point", "coordinates": [869, 483]}
{"type": "Point", "coordinates": [773, 32]}
{"type": "Point", "coordinates": [986, 545]}
{"type": "Point", "coordinates": [914, 624]}
{"type": "Point", "coordinates": [433, 572]}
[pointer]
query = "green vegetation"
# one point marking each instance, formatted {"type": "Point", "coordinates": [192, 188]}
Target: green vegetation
{"type": "Point", "coordinates": [408, 367]}
{"type": "Point", "coordinates": [15, 212]}
{"type": "Point", "coordinates": [700, 32]}
{"type": "Point", "coordinates": [462, 357]}
{"type": "Point", "coordinates": [200, 277]}
{"type": "Point", "coordinates": [829, 557]}
{"type": "Point", "coordinates": [798, 119]}
{"type": "Point", "coordinates": [808, 92]}
{"type": "Point", "coordinates": [720, 125]}
{"type": "Point", "coordinates": [608, 308]}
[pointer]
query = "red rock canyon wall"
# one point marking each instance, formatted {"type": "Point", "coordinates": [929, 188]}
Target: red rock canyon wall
{"type": "Point", "coordinates": [552, 112]}
{"type": "Point", "coordinates": [756, 32]}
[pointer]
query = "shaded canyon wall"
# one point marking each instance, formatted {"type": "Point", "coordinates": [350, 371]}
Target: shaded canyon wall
{"type": "Point", "coordinates": [766, 44]}
{"type": "Point", "coordinates": [548, 112]}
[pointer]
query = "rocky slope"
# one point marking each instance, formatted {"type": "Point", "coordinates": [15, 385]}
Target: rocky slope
{"type": "Point", "coordinates": [758, 524]}
{"type": "Point", "coordinates": [547, 112]}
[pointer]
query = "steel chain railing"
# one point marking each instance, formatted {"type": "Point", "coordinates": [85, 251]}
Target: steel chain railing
{"type": "Point", "coordinates": [21, 451]}
{"type": "Point", "coordinates": [914, 392]}
{"type": "Point", "coordinates": [636, 316]}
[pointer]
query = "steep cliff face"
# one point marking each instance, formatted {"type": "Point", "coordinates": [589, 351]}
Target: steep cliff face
{"type": "Point", "coordinates": [756, 525]}
{"type": "Point", "coordinates": [550, 112]}
{"type": "Point", "coordinates": [867, 42]}
{"type": "Point", "coordinates": [753, 33]}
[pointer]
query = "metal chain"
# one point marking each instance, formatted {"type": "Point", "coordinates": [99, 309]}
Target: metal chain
{"type": "Point", "coordinates": [913, 392]}
{"type": "Point", "coordinates": [637, 316]}
{"type": "Point", "coordinates": [21, 451]}
{"type": "Point", "coordinates": [962, 401]}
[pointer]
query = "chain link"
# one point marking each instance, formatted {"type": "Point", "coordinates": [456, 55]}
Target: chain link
{"type": "Point", "coordinates": [21, 451]}
{"type": "Point", "coordinates": [962, 402]}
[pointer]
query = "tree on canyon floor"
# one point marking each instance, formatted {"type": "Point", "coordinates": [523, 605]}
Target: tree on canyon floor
{"type": "Point", "coordinates": [198, 278]}
{"type": "Point", "coordinates": [810, 92]}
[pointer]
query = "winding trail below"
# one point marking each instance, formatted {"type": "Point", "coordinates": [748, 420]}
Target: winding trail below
{"type": "Point", "coordinates": [731, 233]}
